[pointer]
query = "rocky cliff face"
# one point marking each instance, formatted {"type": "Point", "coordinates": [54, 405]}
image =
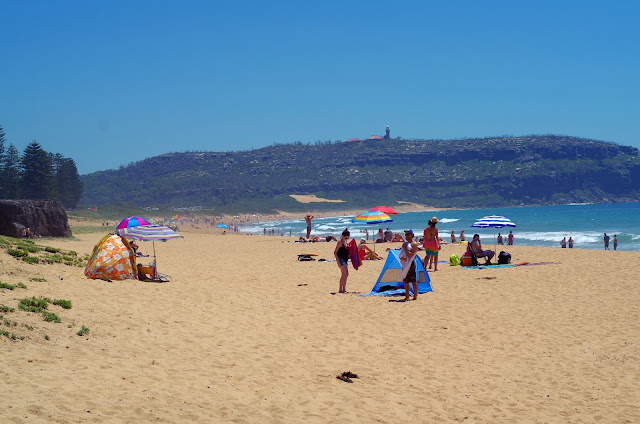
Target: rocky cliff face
{"type": "Point", "coordinates": [46, 218]}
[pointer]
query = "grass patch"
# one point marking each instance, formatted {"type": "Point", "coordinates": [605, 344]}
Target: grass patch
{"type": "Point", "coordinates": [64, 304]}
{"type": "Point", "coordinates": [9, 323]}
{"type": "Point", "coordinates": [7, 286]}
{"type": "Point", "coordinates": [46, 337]}
{"type": "Point", "coordinates": [34, 304]}
{"type": "Point", "coordinates": [31, 260]}
{"type": "Point", "coordinates": [17, 253]}
{"type": "Point", "coordinates": [38, 279]}
{"type": "Point", "coordinates": [51, 317]}
{"type": "Point", "coordinates": [4, 308]}
{"type": "Point", "coordinates": [10, 335]}
{"type": "Point", "coordinates": [90, 229]}
{"type": "Point", "coordinates": [83, 331]}
{"type": "Point", "coordinates": [32, 253]}
{"type": "Point", "coordinates": [20, 285]}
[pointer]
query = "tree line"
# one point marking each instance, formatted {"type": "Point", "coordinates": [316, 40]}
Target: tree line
{"type": "Point", "coordinates": [38, 175]}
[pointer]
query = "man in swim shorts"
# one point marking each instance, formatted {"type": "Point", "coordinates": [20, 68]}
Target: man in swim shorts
{"type": "Point", "coordinates": [308, 219]}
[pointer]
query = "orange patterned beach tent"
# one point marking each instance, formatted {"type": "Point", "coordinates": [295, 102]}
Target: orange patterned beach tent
{"type": "Point", "coordinates": [112, 259]}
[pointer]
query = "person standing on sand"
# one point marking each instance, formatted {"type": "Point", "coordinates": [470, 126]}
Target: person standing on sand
{"type": "Point", "coordinates": [510, 238]}
{"type": "Point", "coordinates": [308, 219]}
{"type": "Point", "coordinates": [606, 242]}
{"type": "Point", "coordinates": [500, 239]}
{"type": "Point", "coordinates": [453, 237]}
{"type": "Point", "coordinates": [341, 253]}
{"type": "Point", "coordinates": [563, 243]}
{"type": "Point", "coordinates": [408, 253]}
{"type": "Point", "coordinates": [461, 235]}
{"type": "Point", "coordinates": [570, 243]}
{"type": "Point", "coordinates": [615, 242]}
{"type": "Point", "coordinates": [431, 244]}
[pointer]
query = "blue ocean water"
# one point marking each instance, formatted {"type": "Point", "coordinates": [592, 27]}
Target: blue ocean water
{"type": "Point", "coordinates": [536, 225]}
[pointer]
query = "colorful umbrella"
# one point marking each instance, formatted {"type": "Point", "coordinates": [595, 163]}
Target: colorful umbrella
{"type": "Point", "coordinates": [150, 233]}
{"type": "Point", "coordinates": [493, 221]}
{"type": "Point", "coordinates": [132, 221]}
{"type": "Point", "coordinates": [385, 209]}
{"type": "Point", "coordinates": [372, 217]}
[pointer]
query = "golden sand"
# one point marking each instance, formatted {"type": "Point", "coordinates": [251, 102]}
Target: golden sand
{"type": "Point", "coordinates": [246, 333]}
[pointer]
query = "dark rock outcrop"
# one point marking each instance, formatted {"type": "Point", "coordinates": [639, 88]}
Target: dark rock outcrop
{"type": "Point", "coordinates": [46, 218]}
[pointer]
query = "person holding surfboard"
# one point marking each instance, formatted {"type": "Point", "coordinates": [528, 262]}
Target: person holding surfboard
{"type": "Point", "coordinates": [341, 252]}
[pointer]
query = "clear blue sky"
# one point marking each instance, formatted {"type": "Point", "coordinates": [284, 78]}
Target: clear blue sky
{"type": "Point", "coordinates": [111, 82]}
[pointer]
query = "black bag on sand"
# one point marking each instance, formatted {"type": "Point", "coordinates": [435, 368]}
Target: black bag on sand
{"type": "Point", "coordinates": [504, 258]}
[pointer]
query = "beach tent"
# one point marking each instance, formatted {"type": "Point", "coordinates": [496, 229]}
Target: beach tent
{"type": "Point", "coordinates": [389, 280]}
{"type": "Point", "coordinates": [112, 259]}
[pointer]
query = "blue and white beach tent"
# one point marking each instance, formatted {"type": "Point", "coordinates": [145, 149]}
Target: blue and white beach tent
{"type": "Point", "coordinates": [390, 277]}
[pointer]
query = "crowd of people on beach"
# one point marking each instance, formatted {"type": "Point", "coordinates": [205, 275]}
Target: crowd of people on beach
{"type": "Point", "coordinates": [430, 244]}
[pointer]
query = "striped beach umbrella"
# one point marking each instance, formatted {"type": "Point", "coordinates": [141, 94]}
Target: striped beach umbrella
{"type": "Point", "coordinates": [132, 221]}
{"type": "Point", "coordinates": [150, 233]}
{"type": "Point", "coordinates": [493, 221]}
{"type": "Point", "coordinates": [372, 217]}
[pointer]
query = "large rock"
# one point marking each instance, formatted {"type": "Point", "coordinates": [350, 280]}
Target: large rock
{"type": "Point", "coordinates": [46, 218]}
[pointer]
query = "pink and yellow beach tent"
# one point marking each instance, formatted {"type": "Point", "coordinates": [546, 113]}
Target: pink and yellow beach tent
{"type": "Point", "coordinates": [112, 259]}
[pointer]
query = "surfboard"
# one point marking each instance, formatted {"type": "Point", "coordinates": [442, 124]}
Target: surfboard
{"type": "Point", "coordinates": [353, 254]}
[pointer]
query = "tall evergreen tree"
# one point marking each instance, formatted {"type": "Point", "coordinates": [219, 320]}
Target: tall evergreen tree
{"type": "Point", "coordinates": [68, 184]}
{"type": "Point", "coordinates": [3, 159]}
{"type": "Point", "coordinates": [36, 180]}
{"type": "Point", "coordinates": [12, 173]}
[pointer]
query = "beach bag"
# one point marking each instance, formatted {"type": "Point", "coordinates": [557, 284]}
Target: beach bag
{"type": "Point", "coordinates": [454, 260]}
{"type": "Point", "coordinates": [467, 259]}
{"type": "Point", "coordinates": [504, 258]}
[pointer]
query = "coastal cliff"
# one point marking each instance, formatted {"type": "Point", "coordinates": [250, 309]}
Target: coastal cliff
{"type": "Point", "coordinates": [499, 171]}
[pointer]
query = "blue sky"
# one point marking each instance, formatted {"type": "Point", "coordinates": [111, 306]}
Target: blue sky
{"type": "Point", "coordinates": [111, 82]}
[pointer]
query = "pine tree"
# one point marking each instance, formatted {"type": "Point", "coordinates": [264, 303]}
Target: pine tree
{"type": "Point", "coordinates": [11, 173]}
{"type": "Point", "coordinates": [3, 159]}
{"type": "Point", "coordinates": [36, 180]}
{"type": "Point", "coordinates": [68, 184]}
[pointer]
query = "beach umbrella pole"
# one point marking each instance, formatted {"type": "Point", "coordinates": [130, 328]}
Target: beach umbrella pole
{"type": "Point", "coordinates": [155, 262]}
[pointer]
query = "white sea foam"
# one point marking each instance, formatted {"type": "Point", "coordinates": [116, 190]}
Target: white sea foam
{"type": "Point", "coordinates": [448, 220]}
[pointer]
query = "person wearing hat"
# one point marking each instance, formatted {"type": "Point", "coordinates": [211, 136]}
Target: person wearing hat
{"type": "Point", "coordinates": [407, 255]}
{"type": "Point", "coordinates": [431, 244]}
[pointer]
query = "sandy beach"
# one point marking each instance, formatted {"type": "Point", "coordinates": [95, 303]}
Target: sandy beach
{"type": "Point", "coordinates": [245, 333]}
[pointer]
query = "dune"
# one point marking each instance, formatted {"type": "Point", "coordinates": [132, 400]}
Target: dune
{"type": "Point", "coordinates": [245, 333]}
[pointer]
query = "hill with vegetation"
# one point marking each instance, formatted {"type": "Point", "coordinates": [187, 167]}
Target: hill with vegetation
{"type": "Point", "coordinates": [499, 171]}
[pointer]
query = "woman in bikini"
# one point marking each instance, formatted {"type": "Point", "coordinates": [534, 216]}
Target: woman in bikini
{"type": "Point", "coordinates": [341, 252]}
{"type": "Point", "coordinates": [431, 244]}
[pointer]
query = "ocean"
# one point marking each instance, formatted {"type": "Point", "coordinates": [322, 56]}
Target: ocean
{"type": "Point", "coordinates": [536, 225]}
